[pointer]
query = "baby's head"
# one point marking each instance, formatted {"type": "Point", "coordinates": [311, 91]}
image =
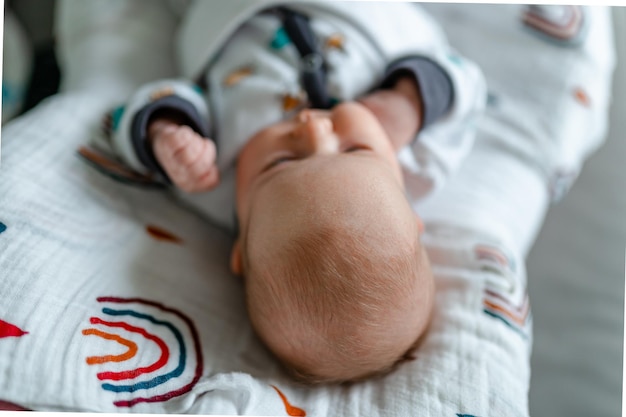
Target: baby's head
{"type": "Point", "coordinates": [338, 285]}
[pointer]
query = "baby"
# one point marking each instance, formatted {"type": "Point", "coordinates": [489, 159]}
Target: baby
{"type": "Point", "coordinates": [338, 285]}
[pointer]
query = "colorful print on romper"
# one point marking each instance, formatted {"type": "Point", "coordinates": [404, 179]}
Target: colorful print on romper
{"type": "Point", "coordinates": [111, 121]}
{"type": "Point", "coordinates": [116, 117]}
{"type": "Point", "coordinates": [152, 325]}
{"type": "Point", "coordinates": [106, 125]}
{"type": "Point", "coordinates": [280, 39]}
{"type": "Point", "coordinates": [457, 60]}
{"type": "Point", "coordinates": [291, 102]}
{"type": "Point", "coordinates": [161, 93]}
{"type": "Point", "coordinates": [238, 75]}
{"type": "Point", "coordinates": [335, 41]}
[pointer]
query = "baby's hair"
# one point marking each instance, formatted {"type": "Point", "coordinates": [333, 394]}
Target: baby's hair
{"type": "Point", "coordinates": [343, 287]}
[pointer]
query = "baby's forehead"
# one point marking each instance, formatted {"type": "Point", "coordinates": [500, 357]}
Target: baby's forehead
{"type": "Point", "coordinates": [354, 195]}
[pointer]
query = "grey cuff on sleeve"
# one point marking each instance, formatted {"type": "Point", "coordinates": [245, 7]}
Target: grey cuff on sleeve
{"type": "Point", "coordinates": [435, 86]}
{"type": "Point", "coordinates": [139, 128]}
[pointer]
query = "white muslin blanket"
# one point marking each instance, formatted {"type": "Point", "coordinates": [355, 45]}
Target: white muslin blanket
{"type": "Point", "coordinates": [115, 299]}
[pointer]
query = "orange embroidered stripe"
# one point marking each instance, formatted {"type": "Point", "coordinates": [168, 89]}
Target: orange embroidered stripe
{"type": "Point", "coordinates": [518, 309]}
{"type": "Point", "coordinates": [291, 410]}
{"type": "Point", "coordinates": [132, 348]}
{"type": "Point", "coordinates": [517, 319]}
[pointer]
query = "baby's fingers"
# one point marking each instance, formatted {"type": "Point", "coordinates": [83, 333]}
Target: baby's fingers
{"type": "Point", "coordinates": [186, 157]}
{"type": "Point", "coordinates": [204, 180]}
{"type": "Point", "coordinates": [201, 173]}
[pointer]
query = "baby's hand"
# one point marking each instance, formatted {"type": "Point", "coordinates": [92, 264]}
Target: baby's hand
{"type": "Point", "coordinates": [187, 158]}
{"type": "Point", "coordinates": [399, 110]}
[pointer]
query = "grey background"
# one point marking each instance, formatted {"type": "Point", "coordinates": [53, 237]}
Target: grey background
{"type": "Point", "coordinates": [36, 16]}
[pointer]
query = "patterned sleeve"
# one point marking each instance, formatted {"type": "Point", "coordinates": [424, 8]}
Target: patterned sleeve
{"type": "Point", "coordinates": [453, 93]}
{"type": "Point", "coordinates": [129, 136]}
{"type": "Point", "coordinates": [435, 85]}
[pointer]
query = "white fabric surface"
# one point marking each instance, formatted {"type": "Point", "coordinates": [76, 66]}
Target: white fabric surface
{"type": "Point", "coordinates": [576, 275]}
{"type": "Point", "coordinates": [73, 235]}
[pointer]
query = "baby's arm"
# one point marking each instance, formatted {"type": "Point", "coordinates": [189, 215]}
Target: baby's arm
{"type": "Point", "coordinates": [163, 131]}
{"type": "Point", "coordinates": [447, 93]}
{"type": "Point", "coordinates": [398, 109]}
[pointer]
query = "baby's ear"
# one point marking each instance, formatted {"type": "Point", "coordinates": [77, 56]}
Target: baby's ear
{"type": "Point", "coordinates": [235, 258]}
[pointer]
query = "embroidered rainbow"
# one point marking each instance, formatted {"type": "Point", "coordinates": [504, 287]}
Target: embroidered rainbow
{"type": "Point", "coordinates": [514, 313]}
{"type": "Point", "coordinates": [514, 316]}
{"type": "Point", "coordinates": [148, 378]}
